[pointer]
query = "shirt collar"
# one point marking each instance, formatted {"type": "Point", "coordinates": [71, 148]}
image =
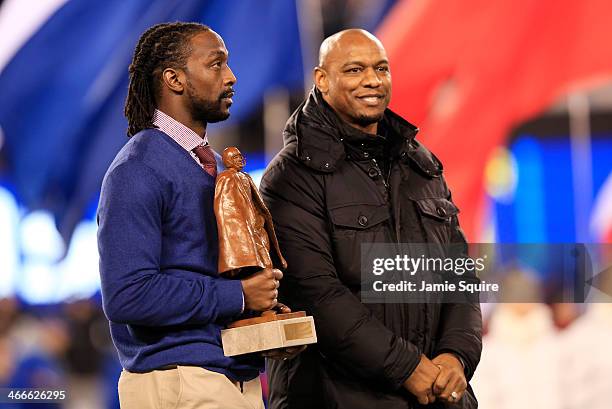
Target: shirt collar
{"type": "Point", "coordinates": [181, 134]}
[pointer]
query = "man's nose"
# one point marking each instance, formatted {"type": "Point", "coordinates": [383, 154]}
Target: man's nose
{"type": "Point", "coordinates": [230, 78]}
{"type": "Point", "coordinates": [371, 79]}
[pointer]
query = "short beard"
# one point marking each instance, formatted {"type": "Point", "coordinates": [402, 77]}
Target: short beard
{"type": "Point", "coordinates": [205, 110]}
{"type": "Point", "coordinates": [365, 120]}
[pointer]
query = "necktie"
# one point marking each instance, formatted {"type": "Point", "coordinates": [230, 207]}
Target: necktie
{"type": "Point", "coordinates": [207, 159]}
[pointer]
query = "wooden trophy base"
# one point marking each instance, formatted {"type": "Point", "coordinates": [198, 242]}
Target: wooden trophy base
{"type": "Point", "coordinates": [270, 331]}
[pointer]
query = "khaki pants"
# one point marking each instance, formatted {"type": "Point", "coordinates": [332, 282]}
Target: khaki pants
{"type": "Point", "coordinates": [187, 387]}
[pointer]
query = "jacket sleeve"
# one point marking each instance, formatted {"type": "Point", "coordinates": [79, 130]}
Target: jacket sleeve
{"type": "Point", "coordinates": [134, 290]}
{"type": "Point", "coordinates": [460, 328]}
{"type": "Point", "coordinates": [348, 334]}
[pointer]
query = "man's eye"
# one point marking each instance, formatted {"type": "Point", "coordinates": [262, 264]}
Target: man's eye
{"type": "Point", "coordinates": [383, 69]}
{"type": "Point", "coordinates": [216, 64]}
{"type": "Point", "coordinates": [354, 70]}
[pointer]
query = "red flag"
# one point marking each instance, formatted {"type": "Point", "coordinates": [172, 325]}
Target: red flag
{"type": "Point", "coordinates": [466, 72]}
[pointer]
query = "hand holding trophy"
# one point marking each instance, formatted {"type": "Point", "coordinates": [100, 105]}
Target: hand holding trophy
{"type": "Point", "coordinates": [246, 236]}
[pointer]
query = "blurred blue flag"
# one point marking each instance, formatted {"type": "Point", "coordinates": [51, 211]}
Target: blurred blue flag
{"type": "Point", "coordinates": [61, 105]}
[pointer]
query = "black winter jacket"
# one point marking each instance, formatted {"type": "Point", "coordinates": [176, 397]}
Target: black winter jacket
{"type": "Point", "coordinates": [328, 193]}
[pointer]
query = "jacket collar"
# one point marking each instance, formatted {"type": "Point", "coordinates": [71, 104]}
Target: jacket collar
{"type": "Point", "coordinates": [320, 133]}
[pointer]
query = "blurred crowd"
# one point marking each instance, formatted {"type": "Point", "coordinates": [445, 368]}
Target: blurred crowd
{"type": "Point", "coordinates": [61, 347]}
{"type": "Point", "coordinates": [546, 356]}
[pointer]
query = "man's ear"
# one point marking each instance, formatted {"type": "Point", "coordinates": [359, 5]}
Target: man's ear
{"type": "Point", "coordinates": [320, 80]}
{"type": "Point", "coordinates": [174, 80]}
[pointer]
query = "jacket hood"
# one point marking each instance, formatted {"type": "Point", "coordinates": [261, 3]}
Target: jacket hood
{"type": "Point", "coordinates": [319, 133]}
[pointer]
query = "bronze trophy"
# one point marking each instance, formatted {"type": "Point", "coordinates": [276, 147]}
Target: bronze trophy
{"type": "Point", "coordinates": [246, 235]}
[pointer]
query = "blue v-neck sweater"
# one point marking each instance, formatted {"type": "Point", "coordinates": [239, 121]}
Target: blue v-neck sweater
{"type": "Point", "coordinates": [158, 247]}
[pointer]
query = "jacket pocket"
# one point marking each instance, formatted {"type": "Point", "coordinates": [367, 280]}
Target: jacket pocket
{"type": "Point", "coordinates": [352, 226]}
{"type": "Point", "coordinates": [358, 216]}
{"type": "Point", "coordinates": [436, 214]}
{"type": "Point", "coordinates": [437, 208]}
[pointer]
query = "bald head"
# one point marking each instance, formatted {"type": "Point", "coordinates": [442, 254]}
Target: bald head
{"type": "Point", "coordinates": [233, 159]}
{"type": "Point", "coordinates": [354, 78]}
{"type": "Point", "coordinates": [340, 43]}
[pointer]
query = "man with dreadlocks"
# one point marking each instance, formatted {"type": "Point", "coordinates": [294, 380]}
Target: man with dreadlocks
{"type": "Point", "coordinates": [157, 234]}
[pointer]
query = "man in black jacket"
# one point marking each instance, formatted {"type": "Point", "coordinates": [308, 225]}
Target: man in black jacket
{"type": "Point", "coordinates": [352, 172]}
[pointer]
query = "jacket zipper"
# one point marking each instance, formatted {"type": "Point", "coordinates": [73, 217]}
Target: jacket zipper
{"type": "Point", "coordinates": [388, 190]}
{"type": "Point", "coordinates": [385, 181]}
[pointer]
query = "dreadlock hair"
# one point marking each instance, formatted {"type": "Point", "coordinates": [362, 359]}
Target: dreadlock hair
{"type": "Point", "coordinates": [162, 46]}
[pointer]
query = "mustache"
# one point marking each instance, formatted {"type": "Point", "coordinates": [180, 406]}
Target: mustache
{"type": "Point", "coordinates": [228, 93]}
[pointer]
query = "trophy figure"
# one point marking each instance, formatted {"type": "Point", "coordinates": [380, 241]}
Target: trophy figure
{"type": "Point", "coordinates": [246, 238]}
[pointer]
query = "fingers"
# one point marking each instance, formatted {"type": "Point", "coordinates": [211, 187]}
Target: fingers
{"type": "Point", "coordinates": [426, 398]}
{"type": "Point", "coordinates": [296, 350]}
{"type": "Point", "coordinates": [420, 383]}
{"type": "Point", "coordinates": [431, 397]}
{"type": "Point", "coordinates": [283, 353]}
{"type": "Point", "coordinates": [273, 273]}
{"type": "Point", "coordinates": [454, 389]}
{"type": "Point", "coordinates": [459, 388]}
{"type": "Point", "coordinates": [452, 396]}
{"type": "Point", "coordinates": [455, 397]}
{"type": "Point", "coordinates": [423, 399]}
{"type": "Point", "coordinates": [272, 299]}
{"type": "Point", "coordinates": [429, 368]}
{"type": "Point", "coordinates": [272, 284]}
{"type": "Point", "coordinates": [282, 308]}
{"type": "Point", "coordinates": [273, 354]}
{"type": "Point", "coordinates": [261, 289]}
{"type": "Point", "coordinates": [441, 381]}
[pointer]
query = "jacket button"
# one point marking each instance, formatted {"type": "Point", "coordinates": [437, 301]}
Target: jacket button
{"type": "Point", "coordinates": [441, 212]}
{"type": "Point", "coordinates": [362, 220]}
{"type": "Point", "coordinates": [373, 172]}
{"type": "Point", "coordinates": [366, 155]}
{"type": "Point", "coordinates": [326, 165]}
